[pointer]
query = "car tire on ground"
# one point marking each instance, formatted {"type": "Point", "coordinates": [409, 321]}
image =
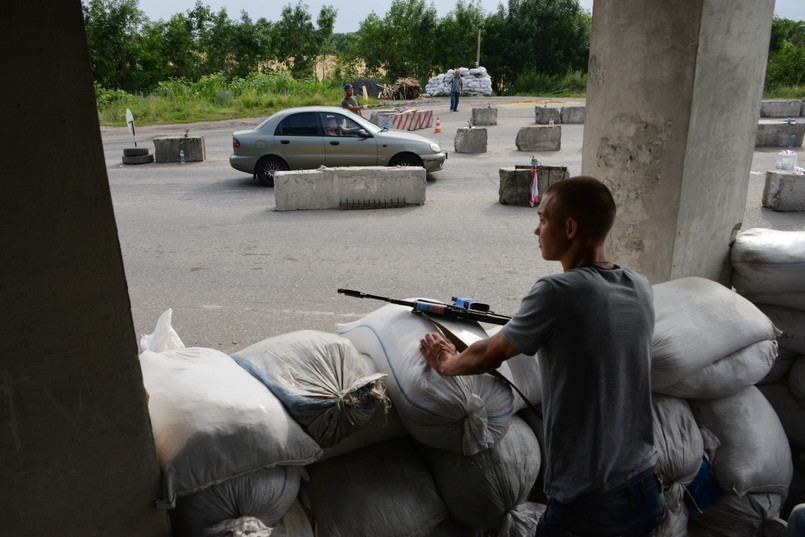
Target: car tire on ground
{"type": "Point", "coordinates": [135, 151]}
{"type": "Point", "coordinates": [139, 159]}
{"type": "Point", "coordinates": [405, 159]}
{"type": "Point", "coordinates": [266, 166]}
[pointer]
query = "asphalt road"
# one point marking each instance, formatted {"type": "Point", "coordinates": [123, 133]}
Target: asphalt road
{"type": "Point", "coordinates": [204, 239]}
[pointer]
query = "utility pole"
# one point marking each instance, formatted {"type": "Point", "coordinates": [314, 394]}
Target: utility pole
{"type": "Point", "coordinates": [478, 52]}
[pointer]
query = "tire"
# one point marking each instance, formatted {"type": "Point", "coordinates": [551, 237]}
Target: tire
{"type": "Point", "coordinates": [266, 166]}
{"type": "Point", "coordinates": [406, 159]}
{"type": "Point", "coordinates": [140, 159]}
{"type": "Point", "coordinates": [135, 151]}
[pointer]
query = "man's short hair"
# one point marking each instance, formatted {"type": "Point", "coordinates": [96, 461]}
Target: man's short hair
{"type": "Point", "coordinates": [588, 201]}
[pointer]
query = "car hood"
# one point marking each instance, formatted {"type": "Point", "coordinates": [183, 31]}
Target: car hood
{"type": "Point", "coordinates": [404, 136]}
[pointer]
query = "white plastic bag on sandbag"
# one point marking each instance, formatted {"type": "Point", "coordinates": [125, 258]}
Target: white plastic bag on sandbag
{"type": "Point", "coordinates": [726, 376]}
{"type": "Point", "coordinates": [466, 414]}
{"type": "Point", "coordinates": [768, 261]}
{"type": "Point", "coordinates": [164, 336]}
{"type": "Point", "coordinates": [754, 455]}
{"type": "Point", "coordinates": [264, 495]}
{"type": "Point", "coordinates": [789, 409]}
{"type": "Point", "coordinates": [380, 490]}
{"type": "Point", "coordinates": [752, 515]}
{"type": "Point", "coordinates": [246, 526]}
{"type": "Point", "coordinates": [489, 490]}
{"type": "Point", "coordinates": [698, 321]}
{"type": "Point", "coordinates": [212, 420]}
{"type": "Point", "coordinates": [320, 379]}
{"type": "Point", "coordinates": [792, 324]}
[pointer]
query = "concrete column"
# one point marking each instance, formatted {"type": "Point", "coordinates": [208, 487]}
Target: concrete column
{"type": "Point", "coordinates": [76, 442]}
{"type": "Point", "coordinates": [673, 100]}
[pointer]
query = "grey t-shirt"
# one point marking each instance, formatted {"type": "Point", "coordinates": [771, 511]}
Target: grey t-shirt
{"type": "Point", "coordinates": [592, 328]}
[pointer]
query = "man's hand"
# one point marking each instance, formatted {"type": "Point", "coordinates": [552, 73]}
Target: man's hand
{"type": "Point", "coordinates": [438, 351]}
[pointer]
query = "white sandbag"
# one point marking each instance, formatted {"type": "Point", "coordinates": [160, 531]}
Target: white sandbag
{"type": "Point", "coordinates": [675, 522]}
{"type": "Point", "coordinates": [212, 420]}
{"type": "Point", "coordinates": [782, 365]}
{"type": "Point", "coordinates": [753, 515]}
{"type": "Point", "coordinates": [384, 490]}
{"type": "Point", "coordinates": [385, 425]}
{"type": "Point", "coordinates": [790, 411]}
{"type": "Point", "coordinates": [523, 372]}
{"type": "Point", "coordinates": [792, 324]}
{"type": "Point", "coordinates": [727, 376]}
{"type": "Point", "coordinates": [698, 321]}
{"type": "Point", "coordinates": [768, 261]}
{"type": "Point", "coordinates": [796, 379]}
{"type": "Point", "coordinates": [466, 414]}
{"type": "Point", "coordinates": [795, 300]}
{"type": "Point", "coordinates": [754, 455]}
{"type": "Point", "coordinates": [264, 495]}
{"type": "Point", "coordinates": [320, 379]}
{"type": "Point", "coordinates": [486, 489]}
{"type": "Point", "coordinates": [677, 440]}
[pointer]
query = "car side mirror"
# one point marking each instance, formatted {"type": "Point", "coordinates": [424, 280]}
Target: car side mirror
{"type": "Point", "coordinates": [363, 133]}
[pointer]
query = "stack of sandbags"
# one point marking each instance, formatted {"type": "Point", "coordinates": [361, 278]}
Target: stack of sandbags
{"type": "Point", "coordinates": [476, 82]}
{"type": "Point", "coordinates": [464, 414]}
{"type": "Point", "coordinates": [769, 269]}
{"type": "Point", "coordinates": [320, 379]}
{"type": "Point", "coordinates": [213, 422]}
{"type": "Point", "coordinates": [709, 342]}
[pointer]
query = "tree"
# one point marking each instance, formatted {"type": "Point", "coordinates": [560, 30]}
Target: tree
{"type": "Point", "coordinates": [298, 42]}
{"type": "Point", "coordinates": [457, 36]}
{"type": "Point", "coordinates": [786, 63]}
{"type": "Point", "coordinates": [112, 28]}
{"type": "Point", "coordinates": [403, 43]}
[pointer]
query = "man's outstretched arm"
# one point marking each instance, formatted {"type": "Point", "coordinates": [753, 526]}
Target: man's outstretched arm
{"type": "Point", "coordinates": [481, 357]}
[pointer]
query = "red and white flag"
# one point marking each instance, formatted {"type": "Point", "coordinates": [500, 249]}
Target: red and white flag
{"type": "Point", "coordinates": [534, 187]}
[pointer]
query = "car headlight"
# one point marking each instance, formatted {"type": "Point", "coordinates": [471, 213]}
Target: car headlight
{"type": "Point", "coordinates": [435, 147]}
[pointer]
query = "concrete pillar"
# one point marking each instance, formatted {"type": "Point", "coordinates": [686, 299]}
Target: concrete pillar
{"type": "Point", "coordinates": [673, 98]}
{"type": "Point", "coordinates": [76, 443]}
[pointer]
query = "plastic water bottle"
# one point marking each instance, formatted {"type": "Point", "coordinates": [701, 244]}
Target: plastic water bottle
{"type": "Point", "coordinates": [792, 140]}
{"type": "Point", "coordinates": [181, 156]}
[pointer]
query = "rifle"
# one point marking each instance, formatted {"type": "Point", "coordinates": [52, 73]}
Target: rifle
{"type": "Point", "coordinates": [467, 309]}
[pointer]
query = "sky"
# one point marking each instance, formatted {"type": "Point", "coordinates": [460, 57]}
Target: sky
{"type": "Point", "coordinates": [352, 12]}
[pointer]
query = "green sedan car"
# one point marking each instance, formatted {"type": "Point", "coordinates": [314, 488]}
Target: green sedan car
{"type": "Point", "coordinates": [314, 136]}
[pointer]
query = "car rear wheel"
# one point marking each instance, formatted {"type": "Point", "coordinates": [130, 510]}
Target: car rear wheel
{"type": "Point", "coordinates": [405, 159]}
{"type": "Point", "coordinates": [266, 167]}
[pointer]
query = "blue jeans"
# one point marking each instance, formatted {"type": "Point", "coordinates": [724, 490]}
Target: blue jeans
{"type": "Point", "coordinates": [796, 521]}
{"type": "Point", "coordinates": [454, 95]}
{"type": "Point", "coordinates": [633, 509]}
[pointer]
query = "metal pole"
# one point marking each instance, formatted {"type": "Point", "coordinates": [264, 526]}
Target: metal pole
{"type": "Point", "coordinates": [478, 52]}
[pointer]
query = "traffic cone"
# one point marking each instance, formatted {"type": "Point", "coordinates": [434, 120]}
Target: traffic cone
{"type": "Point", "coordinates": [438, 128]}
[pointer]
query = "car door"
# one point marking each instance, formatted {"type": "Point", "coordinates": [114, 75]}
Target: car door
{"type": "Point", "coordinates": [344, 144]}
{"type": "Point", "coordinates": [299, 141]}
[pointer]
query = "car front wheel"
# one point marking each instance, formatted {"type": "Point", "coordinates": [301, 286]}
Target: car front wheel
{"type": "Point", "coordinates": [266, 167]}
{"type": "Point", "coordinates": [405, 159]}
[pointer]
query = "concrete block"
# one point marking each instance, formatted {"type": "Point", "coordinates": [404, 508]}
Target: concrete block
{"type": "Point", "coordinates": [515, 183]}
{"type": "Point", "coordinates": [784, 191]}
{"type": "Point", "coordinates": [485, 116]}
{"type": "Point", "coordinates": [166, 149]}
{"type": "Point", "coordinates": [572, 114]}
{"type": "Point", "coordinates": [802, 110]}
{"type": "Point", "coordinates": [332, 188]}
{"type": "Point", "coordinates": [781, 108]}
{"type": "Point", "coordinates": [539, 138]}
{"type": "Point", "coordinates": [778, 134]}
{"type": "Point", "coordinates": [470, 140]}
{"type": "Point", "coordinates": [544, 115]}
{"type": "Point", "coordinates": [382, 118]}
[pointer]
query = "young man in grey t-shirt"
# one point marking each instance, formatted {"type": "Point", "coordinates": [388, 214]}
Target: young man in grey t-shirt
{"type": "Point", "coordinates": [591, 327]}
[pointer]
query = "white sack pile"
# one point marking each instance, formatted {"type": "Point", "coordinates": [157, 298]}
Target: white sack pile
{"type": "Point", "coordinates": [769, 269]}
{"type": "Point", "coordinates": [476, 82]}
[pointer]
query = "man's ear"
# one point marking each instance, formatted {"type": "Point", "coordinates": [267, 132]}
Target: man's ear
{"type": "Point", "coordinates": [571, 228]}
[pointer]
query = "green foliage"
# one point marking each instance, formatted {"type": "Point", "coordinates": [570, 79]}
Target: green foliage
{"type": "Point", "coordinates": [572, 83]}
{"type": "Point", "coordinates": [786, 63]}
{"type": "Point", "coordinates": [299, 43]}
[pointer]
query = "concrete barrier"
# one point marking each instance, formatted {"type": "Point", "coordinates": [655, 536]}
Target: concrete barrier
{"type": "Point", "coordinates": [367, 187]}
{"type": "Point", "coordinates": [539, 138]}
{"type": "Point", "coordinates": [544, 114]}
{"type": "Point", "coordinates": [515, 183]}
{"type": "Point", "coordinates": [470, 140]}
{"type": "Point", "coordinates": [166, 149]}
{"type": "Point", "coordinates": [383, 118]}
{"type": "Point", "coordinates": [778, 134]}
{"type": "Point", "coordinates": [781, 108]}
{"type": "Point", "coordinates": [484, 116]}
{"type": "Point", "coordinates": [784, 191]}
{"type": "Point", "coordinates": [572, 115]}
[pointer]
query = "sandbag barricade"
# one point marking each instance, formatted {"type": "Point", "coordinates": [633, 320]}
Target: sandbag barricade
{"type": "Point", "coordinates": [321, 380]}
{"type": "Point", "coordinates": [465, 414]}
